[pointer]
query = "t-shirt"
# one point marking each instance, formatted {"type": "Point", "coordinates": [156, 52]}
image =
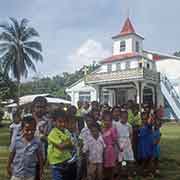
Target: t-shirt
{"type": "Point", "coordinates": [57, 137]}
{"type": "Point", "coordinates": [95, 149]}
{"type": "Point", "coordinates": [25, 159]}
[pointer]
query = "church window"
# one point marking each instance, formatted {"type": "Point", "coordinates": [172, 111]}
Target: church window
{"type": "Point", "coordinates": [137, 46]}
{"type": "Point", "coordinates": [84, 96]}
{"type": "Point", "coordinates": [122, 46]}
{"type": "Point", "coordinates": [109, 67]}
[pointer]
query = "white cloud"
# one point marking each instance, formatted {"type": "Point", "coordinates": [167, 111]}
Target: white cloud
{"type": "Point", "coordinates": [88, 52]}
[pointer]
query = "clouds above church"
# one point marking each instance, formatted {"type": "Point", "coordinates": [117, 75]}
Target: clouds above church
{"type": "Point", "coordinates": [89, 51]}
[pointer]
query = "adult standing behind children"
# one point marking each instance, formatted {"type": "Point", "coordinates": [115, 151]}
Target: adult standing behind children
{"type": "Point", "coordinates": [26, 153]}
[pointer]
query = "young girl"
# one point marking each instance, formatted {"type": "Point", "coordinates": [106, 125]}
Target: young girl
{"type": "Point", "coordinates": [110, 139]}
{"type": "Point", "coordinates": [94, 147]}
{"type": "Point", "coordinates": [124, 132]}
{"type": "Point", "coordinates": [145, 145]}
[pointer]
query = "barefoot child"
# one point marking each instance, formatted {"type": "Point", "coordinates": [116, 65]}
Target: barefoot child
{"type": "Point", "coordinates": [59, 148]}
{"type": "Point", "coordinates": [94, 147]}
{"type": "Point", "coordinates": [26, 153]}
{"type": "Point", "coordinates": [124, 133]}
{"type": "Point", "coordinates": [145, 145]}
{"type": "Point", "coordinates": [110, 139]}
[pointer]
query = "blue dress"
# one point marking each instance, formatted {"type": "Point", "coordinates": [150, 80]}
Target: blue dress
{"type": "Point", "coordinates": [145, 145]}
{"type": "Point", "coordinates": [156, 137]}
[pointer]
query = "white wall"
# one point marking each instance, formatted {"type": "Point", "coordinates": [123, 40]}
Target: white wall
{"type": "Point", "coordinates": [80, 86]}
{"type": "Point", "coordinates": [116, 46]}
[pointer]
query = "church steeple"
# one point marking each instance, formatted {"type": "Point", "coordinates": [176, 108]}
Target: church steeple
{"type": "Point", "coordinates": [127, 28]}
{"type": "Point", "coordinates": [127, 41]}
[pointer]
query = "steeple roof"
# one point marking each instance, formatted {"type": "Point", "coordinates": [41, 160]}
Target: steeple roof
{"type": "Point", "coordinates": [127, 29]}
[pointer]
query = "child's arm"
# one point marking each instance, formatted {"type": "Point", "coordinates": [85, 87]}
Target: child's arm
{"type": "Point", "coordinates": [40, 162]}
{"type": "Point", "coordinates": [10, 160]}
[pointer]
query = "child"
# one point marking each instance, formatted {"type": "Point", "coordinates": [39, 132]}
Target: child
{"type": "Point", "coordinates": [156, 152]}
{"type": "Point", "coordinates": [145, 145]}
{"type": "Point", "coordinates": [60, 148]}
{"type": "Point", "coordinates": [110, 139]}
{"type": "Point", "coordinates": [15, 127]}
{"type": "Point", "coordinates": [124, 133]}
{"type": "Point", "coordinates": [84, 136]}
{"type": "Point", "coordinates": [94, 146]}
{"type": "Point", "coordinates": [26, 153]}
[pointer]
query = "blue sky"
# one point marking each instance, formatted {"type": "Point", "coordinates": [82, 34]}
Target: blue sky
{"type": "Point", "coordinates": [76, 32]}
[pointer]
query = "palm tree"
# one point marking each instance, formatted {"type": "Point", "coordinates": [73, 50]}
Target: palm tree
{"type": "Point", "coordinates": [19, 49]}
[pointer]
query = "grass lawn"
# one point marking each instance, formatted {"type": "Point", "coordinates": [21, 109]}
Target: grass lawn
{"type": "Point", "coordinates": [170, 153]}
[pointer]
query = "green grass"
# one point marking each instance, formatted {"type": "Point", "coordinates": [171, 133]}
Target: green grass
{"type": "Point", "coordinates": [170, 153]}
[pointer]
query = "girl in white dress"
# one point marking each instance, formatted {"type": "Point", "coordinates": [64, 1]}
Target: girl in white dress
{"type": "Point", "coordinates": [124, 133]}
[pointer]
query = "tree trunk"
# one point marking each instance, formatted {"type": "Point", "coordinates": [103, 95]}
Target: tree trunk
{"type": "Point", "coordinates": [18, 93]}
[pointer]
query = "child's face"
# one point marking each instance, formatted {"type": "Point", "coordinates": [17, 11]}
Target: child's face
{"type": "Point", "coordinates": [116, 113]}
{"type": "Point", "coordinates": [94, 132]}
{"type": "Point", "coordinates": [107, 122]}
{"type": "Point", "coordinates": [40, 109]}
{"type": "Point", "coordinates": [72, 126]}
{"type": "Point", "coordinates": [145, 118]}
{"type": "Point", "coordinates": [124, 117]}
{"type": "Point", "coordinates": [60, 123]}
{"type": "Point", "coordinates": [28, 131]}
{"type": "Point", "coordinates": [17, 119]}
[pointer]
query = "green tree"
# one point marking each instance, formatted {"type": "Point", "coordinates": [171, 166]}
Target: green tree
{"type": "Point", "coordinates": [18, 49]}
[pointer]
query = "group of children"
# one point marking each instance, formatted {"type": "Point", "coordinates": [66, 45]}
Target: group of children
{"type": "Point", "coordinates": [92, 142]}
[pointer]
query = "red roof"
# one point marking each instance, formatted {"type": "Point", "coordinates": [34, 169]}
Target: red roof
{"type": "Point", "coordinates": [120, 57]}
{"type": "Point", "coordinates": [127, 29]}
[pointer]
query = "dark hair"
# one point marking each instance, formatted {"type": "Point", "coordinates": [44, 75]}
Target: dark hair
{"type": "Point", "coordinates": [59, 114]}
{"type": "Point", "coordinates": [28, 120]}
{"type": "Point", "coordinates": [116, 107]}
{"type": "Point", "coordinates": [39, 99]}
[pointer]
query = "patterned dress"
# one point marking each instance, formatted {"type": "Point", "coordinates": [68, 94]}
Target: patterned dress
{"type": "Point", "coordinates": [110, 139]}
{"type": "Point", "coordinates": [123, 132]}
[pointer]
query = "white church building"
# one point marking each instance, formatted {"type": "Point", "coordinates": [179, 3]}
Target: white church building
{"type": "Point", "coordinates": [132, 73]}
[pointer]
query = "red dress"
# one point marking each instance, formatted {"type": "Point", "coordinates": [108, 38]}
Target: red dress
{"type": "Point", "coordinates": [110, 139]}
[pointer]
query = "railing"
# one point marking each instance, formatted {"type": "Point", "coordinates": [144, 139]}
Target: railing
{"type": "Point", "coordinates": [124, 75]}
{"type": "Point", "coordinates": [170, 89]}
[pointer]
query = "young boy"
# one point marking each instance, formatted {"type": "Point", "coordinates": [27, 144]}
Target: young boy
{"type": "Point", "coordinates": [94, 147]}
{"type": "Point", "coordinates": [60, 148]}
{"type": "Point", "coordinates": [25, 153]}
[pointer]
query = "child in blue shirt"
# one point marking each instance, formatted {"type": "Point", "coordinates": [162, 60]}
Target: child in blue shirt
{"type": "Point", "coordinates": [25, 153]}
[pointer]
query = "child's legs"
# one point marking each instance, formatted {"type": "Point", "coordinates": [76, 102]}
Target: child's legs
{"type": "Point", "coordinates": [108, 173]}
{"type": "Point", "coordinates": [56, 172]}
{"type": "Point", "coordinates": [99, 171]}
{"type": "Point", "coordinates": [91, 171]}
